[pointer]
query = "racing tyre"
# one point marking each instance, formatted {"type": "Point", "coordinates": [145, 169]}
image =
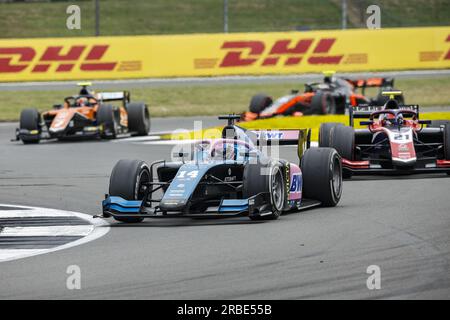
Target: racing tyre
{"type": "Point", "coordinates": [127, 180]}
{"type": "Point", "coordinates": [30, 120]}
{"type": "Point", "coordinates": [322, 176]}
{"type": "Point", "coordinates": [106, 116]}
{"type": "Point", "coordinates": [138, 118]}
{"type": "Point", "coordinates": [438, 123]}
{"type": "Point", "coordinates": [323, 103]}
{"type": "Point", "coordinates": [255, 182]}
{"type": "Point", "coordinates": [326, 133]}
{"type": "Point", "coordinates": [259, 102]}
{"type": "Point", "coordinates": [343, 140]}
{"type": "Point", "coordinates": [447, 141]}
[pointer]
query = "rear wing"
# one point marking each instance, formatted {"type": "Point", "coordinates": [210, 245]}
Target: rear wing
{"type": "Point", "coordinates": [299, 137]}
{"type": "Point", "coordinates": [363, 111]}
{"type": "Point", "coordinates": [114, 96]}
{"type": "Point", "coordinates": [372, 82]}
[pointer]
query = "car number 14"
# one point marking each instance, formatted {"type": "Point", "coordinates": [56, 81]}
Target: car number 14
{"type": "Point", "coordinates": [191, 174]}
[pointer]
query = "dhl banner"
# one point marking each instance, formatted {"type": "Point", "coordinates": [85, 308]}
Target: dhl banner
{"type": "Point", "coordinates": [224, 54]}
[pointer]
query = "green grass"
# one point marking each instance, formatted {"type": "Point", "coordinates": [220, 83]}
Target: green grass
{"type": "Point", "coordinates": [138, 17]}
{"type": "Point", "coordinates": [212, 99]}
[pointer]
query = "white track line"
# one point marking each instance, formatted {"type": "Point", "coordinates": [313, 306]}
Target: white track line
{"type": "Point", "coordinates": [97, 228]}
{"type": "Point", "coordinates": [54, 231]}
{"type": "Point", "coordinates": [37, 212]}
{"type": "Point", "coordinates": [14, 254]}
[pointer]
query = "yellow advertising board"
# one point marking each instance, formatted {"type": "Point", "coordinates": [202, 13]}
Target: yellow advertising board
{"type": "Point", "coordinates": [224, 54]}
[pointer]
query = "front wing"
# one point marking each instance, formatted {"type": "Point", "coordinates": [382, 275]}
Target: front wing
{"type": "Point", "coordinates": [257, 205]}
{"type": "Point", "coordinates": [368, 168]}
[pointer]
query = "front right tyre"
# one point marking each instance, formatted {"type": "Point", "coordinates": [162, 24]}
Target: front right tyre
{"type": "Point", "coordinates": [265, 178]}
{"type": "Point", "coordinates": [30, 120]}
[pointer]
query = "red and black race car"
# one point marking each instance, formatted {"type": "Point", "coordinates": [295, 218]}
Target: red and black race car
{"type": "Point", "coordinates": [394, 142]}
{"type": "Point", "coordinates": [332, 96]}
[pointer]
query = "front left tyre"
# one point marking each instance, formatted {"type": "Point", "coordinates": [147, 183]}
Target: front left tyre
{"type": "Point", "coordinates": [30, 120]}
{"type": "Point", "coordinates": [322, 176]}
{"type": "Point", "coordinates": [128, 181]}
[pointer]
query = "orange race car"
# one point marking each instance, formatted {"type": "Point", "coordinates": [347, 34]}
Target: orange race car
{"type": "Point", "coordinates": [332, 96]}
{"type": "Point", "coordinates": [87, 114]}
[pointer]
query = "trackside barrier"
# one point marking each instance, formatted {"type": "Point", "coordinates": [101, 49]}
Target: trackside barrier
{"type": "Point", "coordinates": [224, 54]}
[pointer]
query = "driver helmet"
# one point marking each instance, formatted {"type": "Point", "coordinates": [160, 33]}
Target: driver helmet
{"type": "Point", "coordinates": [82, 101]}
{"type": "Point", "coordinates": [400, 120]}
{"type": "Point", "coordinates": [387, 119]}
{"type": "Point", "coordinates": [223, 151]}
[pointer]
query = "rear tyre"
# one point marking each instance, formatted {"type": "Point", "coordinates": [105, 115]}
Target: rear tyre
{"type": "Point", "coordinates": [259, 102]}
{"type": "Point", "coordinates": [323, 103]}
{"type": "Point", "coordinates": [30, 119]}
{"type": "Point", "coordinates": [322, 176]}
{"type": "Point", "coordinates": [106, 117]}
{"type": "Point", "coordinates": [138, 118]}
{"type": "Point", "coordinates": [447, 142]}
{"type": "Point", "coordinates": [326, 133]}
{"type": "Point", "coordinates": [343, 141]}
{"type": "Point", "coordinates": [127, 181]}
{"type": "Point", "coordinates": [260, 178]}
{"type": "Point", "coordinates": [438, 123]}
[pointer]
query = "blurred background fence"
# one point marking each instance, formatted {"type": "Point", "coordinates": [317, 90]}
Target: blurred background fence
{"type": "Point", "coordinates": [39, 18]}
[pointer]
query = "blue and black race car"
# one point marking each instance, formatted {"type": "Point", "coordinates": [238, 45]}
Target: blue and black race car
{"type": "Point", "coordinates": [227, 177]}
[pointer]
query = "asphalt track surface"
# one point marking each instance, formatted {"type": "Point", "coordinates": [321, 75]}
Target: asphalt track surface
{"type": "Point", "coordinates": [401, 225]}
{"type": "Point", "coordinates": [206, 81]}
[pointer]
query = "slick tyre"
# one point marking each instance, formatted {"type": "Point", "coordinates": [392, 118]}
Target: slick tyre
{"type": "Point", "coordinates": [322, 176]}
{"type": "Point", "coordinates": [269, 179]}
{"type": "Point", "coordinates": [127, 181]}
{"type": "Point", "coordinates": [446, 134]}
{"type": "Point", "coordinates": [323, 103]}
{"type": "Point", "coordinates": [107, 117]}
{"type": "Point", "coordinates": [343, 140]}
{"type": "Point", "coordinates": [138, 118]}
{"type": "Point", "coordinates": [325, 133]}
{"type": "Point", "coordinates": [259, 102]}
{"type": "Point", "coordinates": [30, 119]}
